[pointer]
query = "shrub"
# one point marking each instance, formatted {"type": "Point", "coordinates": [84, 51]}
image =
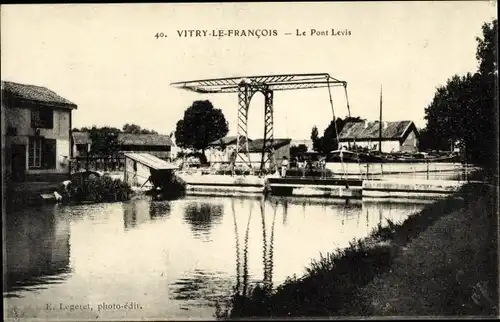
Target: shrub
{"type": "Point", "coordinates": [96, 189]}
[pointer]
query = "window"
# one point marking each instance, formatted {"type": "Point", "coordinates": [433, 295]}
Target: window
{"type": "Point", "coordinates": [35, 153]}
{"type": "Point", "coordinates": [42, 153]}
{"type": "Point", "coordinates": [42, 117]}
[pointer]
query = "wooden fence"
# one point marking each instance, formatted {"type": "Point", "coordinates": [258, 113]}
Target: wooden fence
{"type": "Point", "coordinates": [105, 164]}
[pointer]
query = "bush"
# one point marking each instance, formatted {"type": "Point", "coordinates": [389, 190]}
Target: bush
{"type": "Point", "coordinates": [96, 189]}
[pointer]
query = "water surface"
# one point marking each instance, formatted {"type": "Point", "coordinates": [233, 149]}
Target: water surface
{"type": "Point", "coordinates": [169, 259]}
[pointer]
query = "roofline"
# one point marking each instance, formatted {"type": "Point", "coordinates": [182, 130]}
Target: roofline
{"type": "Point", "coordinates": [400, 137]}
{"type": "Point", "coordinates": [71, 106]}
{"type": "Point", "coordinates": [397, 138]}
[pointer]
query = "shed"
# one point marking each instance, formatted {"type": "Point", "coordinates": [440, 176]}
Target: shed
{"type": "Point", "coordinates": [146, 170]}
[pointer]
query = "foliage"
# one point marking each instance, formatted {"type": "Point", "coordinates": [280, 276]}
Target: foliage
{"type": "Point", "coordinates": [328, 142]}
{"type": "Point", "coordinates": [104, 141]}
{"type": "Point", "coordinates": [136, 129]}
{"type": "Point", "coordinates": [464, 108]}
{"type": "Point", "coordinates": [295, 150]}
{"type": "Point", "coordinates": [202, 124]}
{"type": "Point", "coordinates": [315, 139]}
{"type": "Point", "coordinates": [329, 139]}
{"type": "Point", "coordinates": [457, 261]}
{"type": "Point", "coordinates": [96, 189]}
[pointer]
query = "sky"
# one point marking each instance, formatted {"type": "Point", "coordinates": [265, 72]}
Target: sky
{"type": "Point", "coordinates": [107, 60]}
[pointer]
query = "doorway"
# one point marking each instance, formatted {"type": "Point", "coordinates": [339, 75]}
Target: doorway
{"type": "Point", "coordinates": [18, 162]}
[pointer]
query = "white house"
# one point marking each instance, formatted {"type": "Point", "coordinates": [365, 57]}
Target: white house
{"type": "Point", "coordinates": [220, 150]}
{"type": "Point", "coordinates": [37, 135]}
{"type": "Point", "coordinates": [399, 136]}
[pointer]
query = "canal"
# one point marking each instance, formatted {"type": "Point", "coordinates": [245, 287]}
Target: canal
{"type": "Point", "coordinates": [145, 259]}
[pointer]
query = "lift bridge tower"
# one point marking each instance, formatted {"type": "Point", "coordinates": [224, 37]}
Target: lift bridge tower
{"type": "Point", "coordinates": [246, 87]}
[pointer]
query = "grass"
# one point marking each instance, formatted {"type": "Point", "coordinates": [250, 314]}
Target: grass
{"type": "Point", "coordinates": [347, 282]}
{"type": "Point", "coordinates": [450, 269]}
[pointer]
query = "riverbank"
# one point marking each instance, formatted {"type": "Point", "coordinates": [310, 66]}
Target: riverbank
{"type": "Point", "coordinates": [449, 269]}
{"type": "Point", "coordinates": [430, 264]}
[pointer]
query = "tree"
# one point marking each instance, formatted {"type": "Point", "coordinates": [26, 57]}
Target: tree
{"type": "Point", "coordinates": [464, 109]}
{"type": "Point", "coordinates": [448, 111]}
{"type": "Point", "coordinates": [295, 150]}
{"type": "Point", "coordinates": [329, 140]}
{"type": "Point", "coordinates": [202, 124]}
{"type": "Point", "coordinates": [136, 129]}
{"type": "Point", "coordinates": [315, 139]}
{"type": "Point", "coordinates": [104, 141]}
{"type": "Point", "coordinates": [83, 129]}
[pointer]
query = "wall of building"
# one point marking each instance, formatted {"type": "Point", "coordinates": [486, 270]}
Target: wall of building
{"type": "Point", "coordinates": [256, 157]}
{"type": "Point", "coordinates": [136, 174]}
{"type": "Point", "coordinates": [387, 146]}
{"type": "Point", "coordinates": [216, 156]}
{"type": "Point", "coordinates": [5, 169]}
{"type": "Point", "coordinates": [83, 147]}
{"type": "Point", "coordinates": [411, 143]}
{"type": "Point", "coordinates": [20, 119]}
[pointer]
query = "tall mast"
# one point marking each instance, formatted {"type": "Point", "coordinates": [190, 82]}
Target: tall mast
{"type": "Point", "coordinates": [380, 123]}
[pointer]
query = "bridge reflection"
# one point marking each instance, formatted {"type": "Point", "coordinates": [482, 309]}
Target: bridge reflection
{"type": "Point", "coordinates": [242, 275]}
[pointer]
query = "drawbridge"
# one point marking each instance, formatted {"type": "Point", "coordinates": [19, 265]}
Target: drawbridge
{"type": "Point", "coordinates": [246, 87]}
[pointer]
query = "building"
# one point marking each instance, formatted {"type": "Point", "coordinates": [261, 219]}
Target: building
{"type": "Point", "coordinates": [158, 145]}
{"type": "Point", "coordinates": [220, 150]}
{"type": "Point", "coordinates": [144, 170]}
{"type": "Point", "coordinates": [307, 143]}
{"type": "Point", "coordinates": [81, 144]}
{"type": "Point", "coordinates": [227, 142]}
{"type": "Point", "coordinates": [400, 136]}
{"type": "Point", "coordinates": [36, 136]}
{"type": "Point", "coordinates": [281, 149]}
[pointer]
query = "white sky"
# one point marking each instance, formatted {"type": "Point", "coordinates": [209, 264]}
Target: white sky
{"type": "Point", "coordinates": [106, 59]}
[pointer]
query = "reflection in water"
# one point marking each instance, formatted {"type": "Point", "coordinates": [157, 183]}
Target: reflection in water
{"type": "Point", "coordinates": [200, 285]}
{"type": "Point", "coordinates": [245, 253]}
{"type": "Point", "coordinates": [241, 287]}
{"type": "Point", "coordinates": [136, 212]}
{"type": "Point", "coordinates": [270, 263]}
{"type": "Point", "coordinates": [159, 209]}
{"type": "Point", "coordinates": [202, 216]}
{"type": "Point", "coordinates": [237, 243]}
{"type": "Point", "coordinates": [164, 258]}
{"type": "Point", "coordinates": [37, 247]}
{"type": "Point", "coordinates": [264, 240]}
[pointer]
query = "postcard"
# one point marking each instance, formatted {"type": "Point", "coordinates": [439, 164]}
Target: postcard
{"type": "Point", "coordinates": [219, 161]}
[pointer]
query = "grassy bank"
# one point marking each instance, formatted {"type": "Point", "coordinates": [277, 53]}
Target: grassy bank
{"type": "Point", "coordinates": [346, 282]}
{"type": "Point", "coordinates": [450, 269]}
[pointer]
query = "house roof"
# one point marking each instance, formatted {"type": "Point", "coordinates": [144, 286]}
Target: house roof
{"type": "Point", "coordinates": [145, 139]}
{"type": "Point", "coordinates": [81, 137]}
{"type": "Point", "coordinates": [227, 140]}
{"type": "Point", "coordinates": [370, 130]}
{"type": "Point", "coordinates": [256, 145]}
{"type": "Point", "coordinates": [151, 161]}
{"type": "Point", "coordinates": [36, 94]}
{"type": "Point", "coordinates": [128, 139]}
